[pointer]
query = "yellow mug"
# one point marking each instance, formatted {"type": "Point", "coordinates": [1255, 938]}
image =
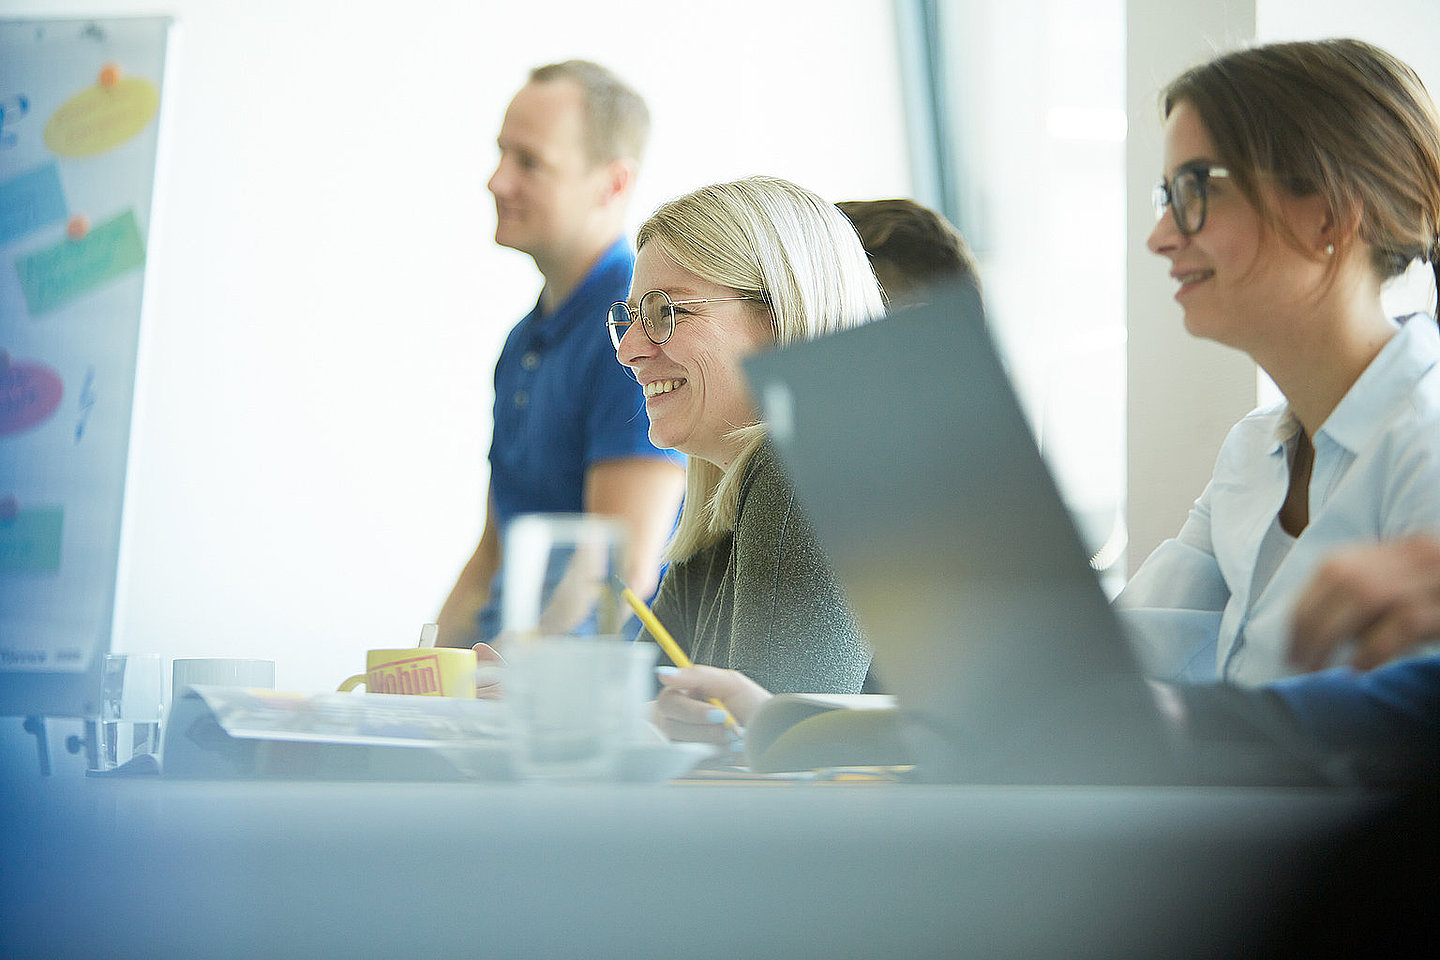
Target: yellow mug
{"type": "Point", "coordinates": [426, 671]}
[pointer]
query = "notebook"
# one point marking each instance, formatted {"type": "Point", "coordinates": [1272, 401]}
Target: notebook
{"type": "Point", "coordinates": [914, 462]}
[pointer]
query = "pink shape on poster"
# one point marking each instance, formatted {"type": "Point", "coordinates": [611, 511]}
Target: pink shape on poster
{"type": "Point", "coordinates": [29, 394]}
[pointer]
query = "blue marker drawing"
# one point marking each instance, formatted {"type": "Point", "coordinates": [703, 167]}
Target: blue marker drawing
{"type": "Point", "coordinates": [87, 403]}
{"type": "Point", "coordinates": [30, 201]}
{"type": "Point", "coordinates": [12, 109]}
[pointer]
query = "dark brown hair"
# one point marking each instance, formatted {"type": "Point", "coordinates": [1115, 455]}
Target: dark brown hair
{"type": "Point", "coordinates": [921, 246]}
{"type": "Point", "coordinates": [1339, 118]}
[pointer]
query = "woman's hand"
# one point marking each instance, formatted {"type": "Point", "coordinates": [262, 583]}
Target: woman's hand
{"type": "Point", "coordinates": [1380, 599]}
{"type": "Point", "coordinates": [682, 711]}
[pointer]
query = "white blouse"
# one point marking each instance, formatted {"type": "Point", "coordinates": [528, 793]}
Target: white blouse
{"type": "Point", "coordinates": [1196, 609]}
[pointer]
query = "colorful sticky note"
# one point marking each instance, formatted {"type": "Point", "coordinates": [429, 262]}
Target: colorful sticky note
{"type": "Point", "coordinates": [30, 201]}
{"type": "Point", "coordinates": [30, 543]}
{"type": "Point", "coordinates": [29, 395]}
{"type": "Point", "coordinates": [58, 274]}
{"type": "Point", "coordinates": [102, 117]}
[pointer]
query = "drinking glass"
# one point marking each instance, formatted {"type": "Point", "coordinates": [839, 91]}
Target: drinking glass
{"type": "Point", "coordinates": [574, 704]}
{"type": "Point", "coordinates": [574, 684]}
{"type": "Point", "coordinates": [561, 577]}
{"type": "Point", "coordinates": [132, 694]}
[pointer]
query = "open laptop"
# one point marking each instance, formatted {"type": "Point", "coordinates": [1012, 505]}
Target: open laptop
{"type": "Point", "coordinates": [915, 464]}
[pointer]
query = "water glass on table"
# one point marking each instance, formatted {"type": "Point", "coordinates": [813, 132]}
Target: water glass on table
{"type": "Point", "coordinates": [560, 577]}
{"type": "Point", "coordinates": [575, 703]}
{"type": "Point", "coordinates": [132, 695]}
{"type": "Point", "coordinates": [574, 681]}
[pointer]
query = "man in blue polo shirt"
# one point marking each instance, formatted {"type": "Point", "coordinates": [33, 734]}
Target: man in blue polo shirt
{"type": "Point", "coordinates": [570, 431]}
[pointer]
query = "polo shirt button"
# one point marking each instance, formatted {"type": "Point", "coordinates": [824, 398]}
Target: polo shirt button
{"type": "Point", "coordinates": [521, 398]}
{"type": "Point", "coordinates": [530, 360]}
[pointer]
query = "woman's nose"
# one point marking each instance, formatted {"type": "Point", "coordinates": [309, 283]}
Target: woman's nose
{"type": "Point", "coordinates": [633, 343]}
{"type": "Point", "coordinates": [1165, 237]}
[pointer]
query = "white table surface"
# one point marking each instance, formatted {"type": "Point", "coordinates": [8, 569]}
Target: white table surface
{"type": "Point", "coordinates": [213, 869]}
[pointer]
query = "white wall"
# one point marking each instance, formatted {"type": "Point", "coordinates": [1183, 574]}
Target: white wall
{"type": "Point", "coordinates": [325, 303]}
{"type": "Point", "coordinates": [1183, 394]}
{"type": "Point", "coordinates": [1410, 29]}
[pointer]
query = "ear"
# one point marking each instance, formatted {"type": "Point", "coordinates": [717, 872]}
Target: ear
{"type": "Point", "coordinates": [1338, 227]}
{"type": "Point", "coordinates": [616, 180]}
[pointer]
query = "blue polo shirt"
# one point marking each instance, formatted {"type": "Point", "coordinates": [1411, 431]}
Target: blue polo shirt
{"type": "Point", "coordinates": [562, 403]}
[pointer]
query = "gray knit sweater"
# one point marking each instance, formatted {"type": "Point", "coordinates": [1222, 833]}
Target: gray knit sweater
{"type": "Point", "coordinates": [763, 600]}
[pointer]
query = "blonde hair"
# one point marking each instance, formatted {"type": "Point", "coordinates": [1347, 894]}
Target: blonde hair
{"type": "Point", "coordinates": [766, 238]}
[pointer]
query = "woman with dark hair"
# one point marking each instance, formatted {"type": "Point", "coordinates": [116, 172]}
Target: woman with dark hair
{"type": "Point", "coordinates": [1298, 178]}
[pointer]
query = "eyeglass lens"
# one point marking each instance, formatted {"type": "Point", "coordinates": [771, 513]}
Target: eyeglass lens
{"type": "Point", "coordinates": [657, 317]}
{"type": "Point", "coordinates": [1185, 196]}
{"type": "Point", "coordinates": [1188, 197]}
{"type": "Point", "coordinates": [657, 313]}
{"type": "Point", "coordinates": [618, 322]}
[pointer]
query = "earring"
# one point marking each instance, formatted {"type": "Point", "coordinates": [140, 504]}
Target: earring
{"type": "Point", "coordinates": [1329, 249]}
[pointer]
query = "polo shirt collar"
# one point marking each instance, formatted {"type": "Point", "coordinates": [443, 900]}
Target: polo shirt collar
{"type": "Point", "coordinates": [582, 305]}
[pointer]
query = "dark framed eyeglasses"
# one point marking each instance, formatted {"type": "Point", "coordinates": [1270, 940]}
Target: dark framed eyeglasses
{"type": "Point", "coordinates": [1186, 195]}
{"type": "Point", "coordinates": [657, 315]}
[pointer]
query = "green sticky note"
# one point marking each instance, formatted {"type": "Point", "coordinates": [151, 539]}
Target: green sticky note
{"type": "Point", "coordinates": [56, 275]}
{"type": "Point", "coordinates": [30, 543]}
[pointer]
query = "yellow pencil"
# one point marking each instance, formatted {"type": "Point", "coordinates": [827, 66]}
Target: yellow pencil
{"type": "Point", "coordinates": [662, 637]}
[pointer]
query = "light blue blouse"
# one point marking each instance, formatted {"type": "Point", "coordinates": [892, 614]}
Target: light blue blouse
{"type": "Point", "coordinates": [1193, 607]}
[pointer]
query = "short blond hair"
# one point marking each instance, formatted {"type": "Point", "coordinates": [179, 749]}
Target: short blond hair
{"type": "Point", "coordinates": [617, 121]}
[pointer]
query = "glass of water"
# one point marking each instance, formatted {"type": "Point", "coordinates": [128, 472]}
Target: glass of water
{"type": "Point", "coordinates": [132, 695]}
{"type": "Point", "coordinates": [560, 577]}
{"type": "Point", "coordinates": [574, 704]}
{"type": "Point", "coordinates": [574, 686]}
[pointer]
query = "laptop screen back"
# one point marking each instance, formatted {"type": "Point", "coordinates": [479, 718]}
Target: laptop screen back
{"type": "Point", "coordinates": [915, 464]}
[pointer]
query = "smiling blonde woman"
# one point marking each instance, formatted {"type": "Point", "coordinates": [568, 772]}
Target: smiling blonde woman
{"type": "Point", "coordinates": [719, 274]}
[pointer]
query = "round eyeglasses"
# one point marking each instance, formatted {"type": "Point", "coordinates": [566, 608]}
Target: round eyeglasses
{"type": "Point", "coordinates": [657, 315]}
{"type": "Point", "coordinates": [1186, 195]}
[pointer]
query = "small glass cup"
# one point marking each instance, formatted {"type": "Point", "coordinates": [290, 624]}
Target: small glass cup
{"type": "Point", "coordinates": [574, 703]}
{"type": "Point", "coordinates": [573, 683]}
{"type": "Point", "coordinates": [187, 672]}
{"type": "Point", "coordinates": [132, 695]}
{"type": "Point", "coordinates": [561, 577]}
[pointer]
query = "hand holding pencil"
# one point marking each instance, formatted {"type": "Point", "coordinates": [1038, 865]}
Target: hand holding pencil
{"type": "Point", "coordinates": [667, 642]}
{"type": "Point", "coordinates": [733, 696]}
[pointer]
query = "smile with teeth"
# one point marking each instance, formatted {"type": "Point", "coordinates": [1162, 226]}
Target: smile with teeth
{"type": "Point", "coordinates": [1186, 279]}
{"type": "Point", "coordinates": [656, 387]}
